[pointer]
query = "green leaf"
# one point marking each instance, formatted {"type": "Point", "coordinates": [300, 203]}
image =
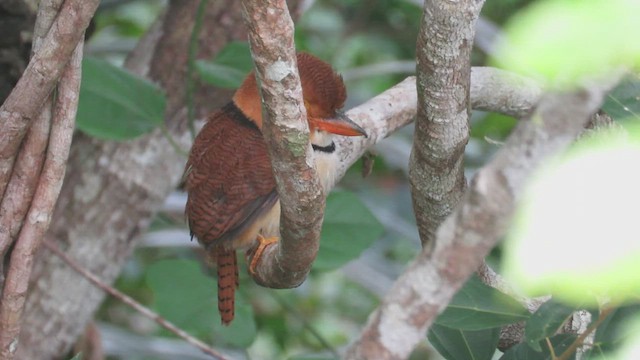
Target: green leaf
{"type": "Point", "coordinates": [545, 322]}
{"type": "Point", "coordinates": [184, 295]}
{"type": "Point", "coordinates": [524, 352]}
{"type": "Point", "coordinates": [568, 40]}
{"type": "Point", "coordinates": [454, 344]}
{"type": "Point", "coordinates": [229, 68]}
{"type": "Point", "coordinates": [77, 356]}
{"type": "Point", "coordinates": [478, 306]}
{"type": "Point", "coordinates": [115, 104]}
{"type": "Point", "coordinates": [348, 229]}
{"type": "Point", "coordinates": [624, 101]}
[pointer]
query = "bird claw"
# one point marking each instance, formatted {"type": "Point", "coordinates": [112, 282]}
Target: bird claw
{"type": "Point", "coordinates": [263, 243]}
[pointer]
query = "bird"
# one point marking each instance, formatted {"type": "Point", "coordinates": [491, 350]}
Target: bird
{"type": "Point", "coordinates": [232, 201]}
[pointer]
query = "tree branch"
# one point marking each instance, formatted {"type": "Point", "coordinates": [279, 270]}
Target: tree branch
{"type": "Point", "coordinates": [436, 169]}
{"type": "Point", "coordinates": [26, 171]}
{"type": "Point", "coordinates": [476, 226]}
{"type": "Point", "coordinates": [39, 78]}
{"type": "Point", "coordinates": [503, 92]}
{"type": "Point", "coordinates": [40, 212]}
{"type": "Point", "coordinates": [286, 133]}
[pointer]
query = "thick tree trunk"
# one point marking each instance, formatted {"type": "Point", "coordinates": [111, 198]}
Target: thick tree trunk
{"type": "Point", "coordinates": [112, 190]}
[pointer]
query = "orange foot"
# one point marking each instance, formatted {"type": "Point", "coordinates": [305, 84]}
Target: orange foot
{"type": "Point", "coordinates": [263, 243]}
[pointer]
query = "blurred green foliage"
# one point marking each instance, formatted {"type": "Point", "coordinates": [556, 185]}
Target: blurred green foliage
{"type": "Point", "coordinates": [229, 67]}
{"type": "Point", "coordinates": [556, 40]}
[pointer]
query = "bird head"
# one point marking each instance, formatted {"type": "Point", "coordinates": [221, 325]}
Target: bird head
{"type": "Point", "coordinates": [324, 95]}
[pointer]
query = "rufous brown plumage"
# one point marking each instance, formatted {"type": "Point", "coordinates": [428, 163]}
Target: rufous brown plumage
{"type": "Point", "coordinates": [232, 200]}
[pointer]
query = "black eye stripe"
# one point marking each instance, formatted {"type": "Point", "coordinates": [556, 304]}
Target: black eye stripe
{"type": "Point", "coordinates": [325, 149]}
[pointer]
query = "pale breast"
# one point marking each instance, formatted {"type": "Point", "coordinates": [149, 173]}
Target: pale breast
{"type": "Point", "coordinates": [326, 167]}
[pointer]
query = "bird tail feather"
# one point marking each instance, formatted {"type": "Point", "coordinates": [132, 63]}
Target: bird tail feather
{"type": "Point", "coordinates": [227, 283]}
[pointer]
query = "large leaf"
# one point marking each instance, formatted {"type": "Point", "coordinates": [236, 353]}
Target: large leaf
{"type": "Point", "coordinates": [581, 204]}
{"type": "Point", "coordinates": [229, 68]}
{"type": "Point", "coordinates": [478, 306]}
{"type": "Point", "coordinates": [567, 40]}
{"type": "Point", "coordinates": [349, 228]}
{"type": "Point", "coordinates": [523, 351]}
{"type": "Point", "coordinates": [187, 297]}
{"type": "Point", "coordinates": [455, 344]}
{"type": "Point", "coordinates": [545, 322]}
{"type": "Point", "coordinates": [624, 101]}
{"type": "Point", "coordinates": [115, 104]}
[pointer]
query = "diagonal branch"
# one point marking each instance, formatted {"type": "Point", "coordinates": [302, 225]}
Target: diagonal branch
{"type": "Point", "coordinates": [39, 78]}
{"type": "Point", "coordinates": [286, 133]}
{"type": "Point", "coordinates": [491, 90]}
{"type": "Point", "coordinates": [476, 226]}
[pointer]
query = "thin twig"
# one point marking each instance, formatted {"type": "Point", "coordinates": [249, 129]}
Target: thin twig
{"type": "Point", "coordinates": [24, 179]}
{"type": "Point", "coordinates": [191, 65]}
{"type": "Point", "coordinates": [133, 303]}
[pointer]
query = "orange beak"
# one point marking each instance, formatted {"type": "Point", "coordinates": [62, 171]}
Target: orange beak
{"type": "Point", "coordinates": [340, 125]}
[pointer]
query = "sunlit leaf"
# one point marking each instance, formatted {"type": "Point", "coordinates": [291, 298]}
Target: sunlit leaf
{"type": "Point", "coordinates": [478, 306]}
{"type": "Point", "coordinates": [566, 40]}
{"type": "Point", "coordinates": [348, 229]}
{"type": "Point", "coordinates": [115, 104]}
{"type": "Point", "coordinates": [575, 235]}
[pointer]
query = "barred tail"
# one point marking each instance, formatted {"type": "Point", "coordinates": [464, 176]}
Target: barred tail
{"type": "Point", "coordinates": [227, 283]}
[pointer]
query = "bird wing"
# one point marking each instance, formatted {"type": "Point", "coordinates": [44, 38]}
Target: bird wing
{"type": "Point", "coordinates": [228, 176]}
